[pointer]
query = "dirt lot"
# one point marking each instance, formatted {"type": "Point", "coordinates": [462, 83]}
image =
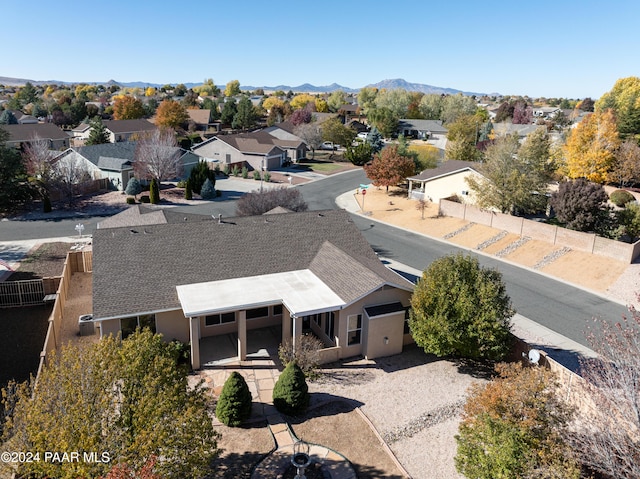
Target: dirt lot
{"type": "Point", "coordinates": [46, 261]}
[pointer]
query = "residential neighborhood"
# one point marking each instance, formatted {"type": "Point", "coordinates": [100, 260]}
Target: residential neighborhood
{"type": "Point", "coordinates": [255, 270]}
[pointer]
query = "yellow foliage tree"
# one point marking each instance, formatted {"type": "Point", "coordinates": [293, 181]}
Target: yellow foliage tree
{"type": "Point", "coordinates": [171, 114]}
{"type": "Point", "coordinates": [624, 100]}
{"type": "Point", "coordinates": [126, 107]}
{"type": "Point", "coordinates": [590, 149]}
{"type": "Point", "coordinates": [271, 102]}
{"type": "Point", "coordinates": [301, 100]}
{"type": "Point", "coordinates": [150, 91]}
{"type": "Point", "coordinates": [321, 105]}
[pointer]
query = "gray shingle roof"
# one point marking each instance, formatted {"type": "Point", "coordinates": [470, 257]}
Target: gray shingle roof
{"type": "Point", "coordinates": [136, 269]}
{"type": "Point", "coordinates": [29, 131]}
{"type": "Point", "coordinates": [434, 126]}
{"type": "Point", "coordinates": [124, 151]}
{"type": "Point", "coordinates": [129, 126]}
{"type": "Point", "coordinates": [446, 168]}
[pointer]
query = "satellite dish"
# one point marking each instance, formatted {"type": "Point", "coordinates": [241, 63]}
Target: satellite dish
{"type": "Point", "coordinates": [534, 356]}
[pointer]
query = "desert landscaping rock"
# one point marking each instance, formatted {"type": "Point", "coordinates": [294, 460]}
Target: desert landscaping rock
{"type": "Point", "coordinates": [550, 258]}
{"type": "Point", "coordinates": [458, 231]}
{"type": "Point", "coordinates": [492, 240]}
{"type": "Point", "coordinates": [512, 247]}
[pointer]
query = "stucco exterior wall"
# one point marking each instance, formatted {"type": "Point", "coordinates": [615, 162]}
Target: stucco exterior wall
{"type": "Point", "coordinates": [110, 327]}
{"type": "Point", "coordinates": [173, 325]}
{"type": "Point", "coordinates": [385, 335]}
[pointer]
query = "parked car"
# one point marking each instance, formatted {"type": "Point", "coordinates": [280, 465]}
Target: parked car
{"type": "Point", "coordinates": [363, 135]}
{"type": "Point", "coordinates": [328, 145]}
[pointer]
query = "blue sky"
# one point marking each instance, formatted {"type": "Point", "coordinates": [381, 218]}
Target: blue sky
{"type": "Point", "coordinates": [561, 48]}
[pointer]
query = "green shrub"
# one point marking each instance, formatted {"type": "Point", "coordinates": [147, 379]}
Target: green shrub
{"type": "Point", "coordinates": [188, 191]}
{"type": "Point", "coordinates": [181, 184]}
{"type": "Point", "coordinates": [145, 199]}
{"type": "Point", "coordinates": [620, 198]}
{"type": "Point", "coordinates": [46, 204]}
{"type": "Point", "coordinates": [217, 170]}
{"type": "Point", "coordinates": [245, 172]}
{"type": "Point", "coordinates": [234, 403]}
{"type": "Point", "coordinates": [208, 192]}
{"type": "Point", "coordinates": [266, 176]}
{"type": "Point", "coordinates": [133, 187]}
{"type": "Point", "coordinates": [131, 200]}
{"type": "Point", "coordinates": [291, 393]}
{"type": "Point", "coordinates": [235, 171]}
{"type": "Point", "coordinates": [226, 170]}
{"type": "Point", "coordinates": [306, 355]}
{"type": "Point", "coordinates": [256, 175]}
{"type": "Point", "coordinates": [154, 191]}
{"type": "Point", "coordinates": [199, 174]}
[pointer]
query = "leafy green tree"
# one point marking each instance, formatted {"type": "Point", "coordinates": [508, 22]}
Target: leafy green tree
{"type": "Point", "coordinates": [98, 134]}
{"type": "Point", "coordinates": [456, 106]}
{"type": "Point", "coordinates": [78, 112]}
{"type": "Point", "coordinates": [8, 118]}
{"type": "Point", "coordinates": [334, 131]}
{"type": "Point", "coordinates": [385, 120]}
{"type": "Point", "coordinates": [389, 167]}
{"type": "Point", "coordinates": [229, 111]}
{"type": "Point", "coordinates": [629, 220]}
{"type": "Point", "coordinates": [396, 100]}
{"type": "Point", "coordinates": [232, 88]}
{"type": "Point", "coordinates": [128, 397]}
{"type": "Point", "coordinates": [291, 393]}
{"type": "Point", "coordinates": [16, 190]}
{"type": "Point", "coordinates": [207, 192]}
{"type": "Point", "coordinates": [360, 154]}
{"type": "Point", "coordinates": [513, 177]}
{"type": "Point", "coordinates": [133, 187]}
{"type": "Point", "coordinates": [154, 192]}
{"type": "Point", "coordinates": [624, 100]}
{"type": "Point", "coordinates": [581, 205]}
{"type": "Point", "coordinates": [431, 106]}
{"type": "Point", "coordinates": [461, 309]}
{"type": "Point", "coordinates": [245, 116]}
{"type": "Point", "coordinates": [336, 100]}
{"type": "Point", "coordinates": [513, 426]}
{"type": "Point", "coordinates": [234, 403]}
{"type": "Point", "coordinates": [367, 98]}
{"type": "Point", "coordinates": [462, 138]}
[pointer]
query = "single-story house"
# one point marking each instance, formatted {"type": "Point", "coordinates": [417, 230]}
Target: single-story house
{"type": "Point", "coordinates": [20, 135]}
{"type": "Point", "coordinates": [545, 112]}
{"type": "Point", "coordinates": [431, 131]}
{"type": "Point", "coordinates": [200, 118]}
{"type": "Point", "coordinates": [257, 150]}
{"type": "Point", "coordinates": [127, 130]}
{"type": "Point", "coordinates": [503, 129]}
{"type": "Point", "coordinates": [445, 181]}
{"type": "Point", "coordinates": [23, 118]}
{"type": "Point", "coordinates": [193, 280]}
{"type": "Point", "coordinates": [81, 132]}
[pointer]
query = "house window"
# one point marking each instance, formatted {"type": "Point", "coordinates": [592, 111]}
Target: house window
{"type": "Point", "coordinates": [354, 329]}
{"type": "Point", "coordinates": [328, 324]}
{"type": "Point", "coordinates": [218, 319]}
{"type": "Point", "coordinates": [258, 313]}
{"type": "Point", "coordinates": [129, 325]}
{"type": "Point", "coordinates": [277, 310]}
{"type": "Point", "coordinates": [228, 158]}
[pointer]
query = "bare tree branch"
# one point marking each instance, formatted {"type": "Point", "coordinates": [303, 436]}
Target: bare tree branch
{"type": "Point", "coordinates": [158, 156]}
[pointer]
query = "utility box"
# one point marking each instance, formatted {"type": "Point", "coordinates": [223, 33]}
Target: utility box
{"type": "Point", "coordinates": [86, 325]}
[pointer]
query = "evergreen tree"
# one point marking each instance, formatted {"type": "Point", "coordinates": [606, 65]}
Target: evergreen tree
{"type": "Point", "coordinates": [8, 118]}
{"type": "Point", "coordinates": [234, 403]}
{"type": "Point", "coordinates": [229, 111]}
{"type": "Point", "coordinates": [199, 174]}
{"type": "Point", "coordinates": [374, 138]}
{"type": "Point", "coordinates": [291, 393]}
{"type": "Point", "coordinates": [188, 191]}
{"type": "Point", "coordinates": [360, 154]}
{"type": "Point", "coordinates": [133, 187]}
{"type": "Point", "coordinates": [208, 192]}
{"type": "Point", "coordinates": [154, 192]}
{"type": "Point", "coordinates": [98, 134]}
{"type": "Point", "coordinates": [245, 117]}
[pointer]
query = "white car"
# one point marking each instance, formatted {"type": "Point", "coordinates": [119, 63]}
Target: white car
{"type": "Point", "coordinates": [328, 145]}
{"type": "Point", "coordinates": [363, 135]}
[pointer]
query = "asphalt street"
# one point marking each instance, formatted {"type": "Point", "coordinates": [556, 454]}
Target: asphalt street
{"type": "Point", "coordinates": [554, 304]}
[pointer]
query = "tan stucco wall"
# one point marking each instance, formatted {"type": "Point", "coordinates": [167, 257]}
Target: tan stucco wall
{"type": "Point", "coordinates": [173, 325]}
{"type": "Point", "coordinates": [379, 328]}
{"type": "Point", "coordinates": [450, 185]}
{"type": "Point", "coordinates": [110, 327]}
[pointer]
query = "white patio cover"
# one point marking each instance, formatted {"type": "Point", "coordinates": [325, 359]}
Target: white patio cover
{"type": "Point", "coordinates": [301, 292]}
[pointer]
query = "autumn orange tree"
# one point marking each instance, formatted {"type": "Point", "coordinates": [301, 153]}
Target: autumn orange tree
{"type": "Point", "coordinates": [591, 147]}
{"type": "Point", "coordinates": [626, 168]}
{"type": "Point", "coordinates": [126, 107]}
{"type": "Point", "coordinates": [389, 167]}
{"type": "Point", "coordinates": [512, 427]}
{"type": "Point", "coordinates": [171, 114]}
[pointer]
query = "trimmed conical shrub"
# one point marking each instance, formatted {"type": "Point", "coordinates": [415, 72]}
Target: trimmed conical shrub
{"type": "Point", "coordinates": [188, 191]}
{"type": "Point", "coordinates": [291, 393]}
{"type": "Point", "coordinates": [154, 192]}
{"type": "Point", "coordinates": [234, 403]}
{"type": "Point", "coordinates": [207, 192]}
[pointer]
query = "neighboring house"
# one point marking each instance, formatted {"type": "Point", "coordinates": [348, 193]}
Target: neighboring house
{"type": "Point", "coordinates": [432, 131]}
{"type": "Point", "coordinates": [284, 130]}
{"type": "Point", "coordinates": [257, 150]}
{"type": "Point", "coordinates": [200, 118]}
{"type": "Point", "coordinates": [113, 161]}
{"type": "Point", "coordinates": [445, 181]}
{"type": "Point", "coordinates": [227, 277]}
{"type": "Point", "coordinates": [545, 112]}
{"type": "Point", "coordinates": [20, 135]}
{"type": "Point", "coordinates": [24, 119]}
{"type": "Point", "coordinates": [504, 129]}
{"type": "Point", "coordinates": [127, 130]}
{"type": "Point", "coordinates": [351, 111]}
{"type": "Point", "coordinates": [81, 132]}
{"type": "Point", "coordinates": [358, 126]}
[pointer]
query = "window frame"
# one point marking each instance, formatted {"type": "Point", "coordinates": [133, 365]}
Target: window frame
{"type": "Point", "coordinates": [221, 319]}
{"type": "Point", "coordinates": [357, 330]}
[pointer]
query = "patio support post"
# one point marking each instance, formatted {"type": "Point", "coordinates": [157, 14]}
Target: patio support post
{"type": "Point", "coordinates": [242, 335]}
{"type": "Point", "coordinates": [297, 331]}
{"type": "Point", "coordinates": [194, 336]}
{"type": "Point", "coordinates": [410, 188]}
{"type": "Point", "coordinates": [286, 325]}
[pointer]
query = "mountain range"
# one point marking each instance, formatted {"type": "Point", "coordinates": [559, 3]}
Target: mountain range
{"type": "Point", "coordinates": [397, 83]}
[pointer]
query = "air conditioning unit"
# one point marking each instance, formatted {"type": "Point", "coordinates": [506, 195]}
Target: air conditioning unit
{"type": "Point", "coordinates": [86, 325]}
